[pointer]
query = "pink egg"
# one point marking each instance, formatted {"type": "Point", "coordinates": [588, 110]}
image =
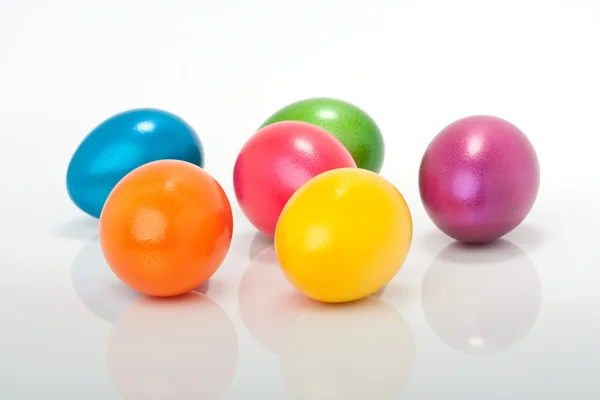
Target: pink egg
{"type": "Point", "coordinates": [479, 179]}
{"type": "Point", "coordinates": [276, 161]}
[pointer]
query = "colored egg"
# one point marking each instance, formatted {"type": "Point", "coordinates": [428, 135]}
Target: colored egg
{"type": "Point", "coordinates": [479, 179]}
{"type": "Point", "coordinates": [122, 143]}
{"type": "Point", "coordinates": [349, 123]}
{"type": "Point", "coordinates": [343, 235]}
{"type": "Point", "coordinates": [166, 228]}
{"type": "Point", "coordinates": [276, 161]}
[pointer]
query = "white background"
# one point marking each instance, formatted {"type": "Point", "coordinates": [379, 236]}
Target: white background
{"type": "Point", "coordinates": [224, 66]}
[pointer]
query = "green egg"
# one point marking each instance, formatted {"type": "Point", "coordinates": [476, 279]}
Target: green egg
{"type": "Point", "coordinates": [350, 124]}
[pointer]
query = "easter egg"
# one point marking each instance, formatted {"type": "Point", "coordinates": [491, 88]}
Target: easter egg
{"type": "Point", "coordinates": [166, 228]}
{"type": "Point", "coordinates": [479, 178]}
{"type": "Point", "coordinates": [122, 143]}
{"type": "Point", "coordinates": [343, 235]}
{"type": "Point", "coordinates": [350, 124]}
{"type": "Point", "coordinates": [276, 161]}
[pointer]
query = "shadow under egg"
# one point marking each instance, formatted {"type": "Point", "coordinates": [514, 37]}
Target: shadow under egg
{"type": "Point", "coordinates": [96, 285]}
{"type": "Point", "coordinates": [481, 300]}
{"type": "Point", "coordinates": [82, 227]}
{"type": "Point", "coordinates": [258, 243]}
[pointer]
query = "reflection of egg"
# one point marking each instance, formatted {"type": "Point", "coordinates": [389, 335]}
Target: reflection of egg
{"type": "Point", "coordinates": [359, 350]}
{"type": "Point", "coordinates": [268, 303]}
{"type": "Point", "coordinates": [123, 143]}
{"type": "Point", "coordinates": [481, 300]}
{"type": "Point", "coordinates": [183, 347]}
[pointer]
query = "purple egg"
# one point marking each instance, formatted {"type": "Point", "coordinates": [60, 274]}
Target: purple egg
{"type": "Point", "coordinates": [479, 178]}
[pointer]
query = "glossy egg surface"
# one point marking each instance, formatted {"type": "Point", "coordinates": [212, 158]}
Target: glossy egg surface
{"type": "Point", "coordinates": [479, 178]}
{"type": "Point", "coordinates": [166, 228]}
{"type": "Point", "coordinates": [122, 143]}
{"type": "Point", "coordinates": [276, 161]}
{"type": "Point", "coordinates": [343, 235]}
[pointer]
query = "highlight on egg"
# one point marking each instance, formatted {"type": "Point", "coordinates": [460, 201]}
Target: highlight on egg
{"type": "Point", "coordinates": [122, 143]}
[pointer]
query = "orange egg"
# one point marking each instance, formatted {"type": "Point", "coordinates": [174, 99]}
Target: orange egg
{"type": "Point", "coordinates": [166, 228]}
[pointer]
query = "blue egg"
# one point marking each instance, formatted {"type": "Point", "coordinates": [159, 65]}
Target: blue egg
{"type": "Point", "coordinates": [122, 143]}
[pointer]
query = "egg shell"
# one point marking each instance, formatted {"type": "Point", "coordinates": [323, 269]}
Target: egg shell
{"type": "Point", "coordinates": [166, 228]}
{"type": "Point", "coordinates": [479, 178]}
{"type": "Point", "coordinates": [122, 143]}
{"type": "Point", "coordinates": [276, 161]}
{"type": "Point", "coordinates": [343, 235]}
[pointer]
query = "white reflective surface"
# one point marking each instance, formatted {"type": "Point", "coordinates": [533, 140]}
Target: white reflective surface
{"type": "Point", "coordinates": [514, 320]}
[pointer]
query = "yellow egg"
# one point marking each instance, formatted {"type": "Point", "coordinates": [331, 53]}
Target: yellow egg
{"type": "Point", "coordinates": [343, 235]}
